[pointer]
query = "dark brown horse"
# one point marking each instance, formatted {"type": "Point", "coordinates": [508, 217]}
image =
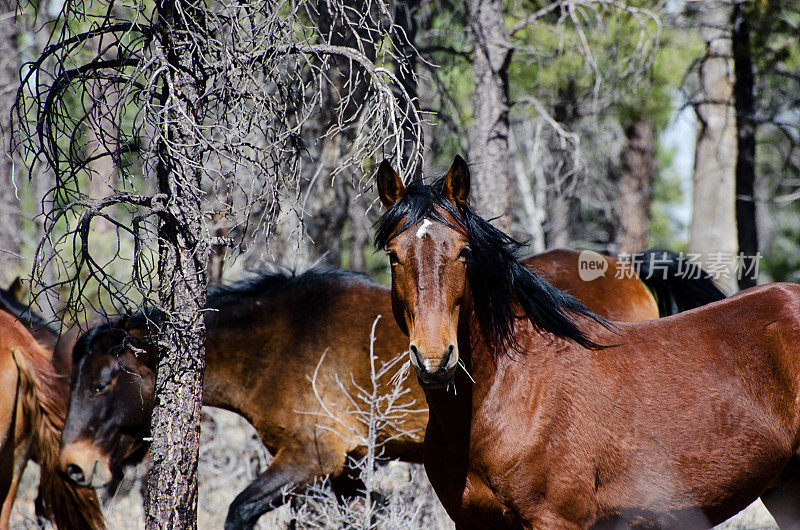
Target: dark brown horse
{"type": "Point", "coordinates": [266, 335]}
{"type": "Point", "coordinates": [572, 421]}
{"type": "Point", "coordinates": [33, 402]}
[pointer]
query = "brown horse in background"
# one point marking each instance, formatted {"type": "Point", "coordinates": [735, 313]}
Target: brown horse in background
{"type": "Point", "coordinates": [11, 301]}
{"type": "Point", "coordinates": [265, 337]}
{"type": "Point", "coordinates": [33, 401]}
{"type": "Point", "coordinates": [572, 421]}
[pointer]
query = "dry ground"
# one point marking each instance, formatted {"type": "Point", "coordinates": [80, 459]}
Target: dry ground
{"type": "Point", "coordinates": [230, 457]}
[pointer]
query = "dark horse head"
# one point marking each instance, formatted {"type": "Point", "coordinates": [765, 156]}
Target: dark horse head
{"type": "Point", "coordinates": [111, 400]}
{"type": "Point", "coordinates": [446, 261]}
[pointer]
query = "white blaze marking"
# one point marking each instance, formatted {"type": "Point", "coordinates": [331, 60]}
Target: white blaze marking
{"type": "Point", "coordinates": [422, 230]}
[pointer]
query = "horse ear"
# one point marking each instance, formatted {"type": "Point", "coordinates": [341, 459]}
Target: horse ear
{"type": "Point", "coordinates": [123, 323]}
{"type": "Point", "coordinates": [390, 185]}
{"type": "Point", "coordinates": [456, 183]}
{"type": "Point", "coordinates": [15, 289]}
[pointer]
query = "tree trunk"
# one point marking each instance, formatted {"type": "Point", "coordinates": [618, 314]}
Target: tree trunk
{"type": "Point", "coordinates": [559, 214]}
{"type": "Point", "coordinates": [359, 233]}
{"type": "Point", "coordinates": [531, 186]}
{"type": "Point", "coordinates": [42, 185]}
{"type": "Point", "coordinates": [10, 203]}
{"type": "Point", "coordinates": [325, 213]}
{"type": "Point", "coordinates": [183, 255]}
{"type": "Point", "coordinates": [744, 100]}
{"type": "Point", "coordinates": [488, 137]}
{"type": "Point", "coordinates": [219, 231]}
{"type": "Point", "coordinates": [712, 233]}
{"type": "Point", "coordinates": [406, 16]}
{"type": "Point", "coordinates": [633, 200]}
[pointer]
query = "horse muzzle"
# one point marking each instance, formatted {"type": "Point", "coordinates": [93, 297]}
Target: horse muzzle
{"type": "Point", "coordinates": [434, 372]}
{"type": "Point", "coordinates": [83, 464]}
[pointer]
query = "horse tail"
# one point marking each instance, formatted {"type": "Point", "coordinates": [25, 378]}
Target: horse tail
{"type": "Point", "coordinates": [677, 284]}
{"type": "Point", "coordinates": [45, 398]}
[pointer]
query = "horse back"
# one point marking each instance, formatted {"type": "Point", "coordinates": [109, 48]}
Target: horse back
{"type": "Point", "coordinates": [617, 294]}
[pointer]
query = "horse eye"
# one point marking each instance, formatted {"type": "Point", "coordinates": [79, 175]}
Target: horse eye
{"type": "Point", "coordinates": [464, 254]}
{"type": "Point", "coordinates": [392, 257]}
{"type": "Point", "coordinates": [99, 387]}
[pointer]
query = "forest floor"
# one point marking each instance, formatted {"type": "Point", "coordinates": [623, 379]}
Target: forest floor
{"type": "Point", "coordinates": [231, 456]}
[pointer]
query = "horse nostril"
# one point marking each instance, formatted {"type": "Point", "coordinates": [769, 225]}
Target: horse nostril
{"type": "Point", "coordinates": [446, 357]}
{"type": "Point", "coordinates": [75, 473]}
{"type": "Point", "coordinates": [417, 357]}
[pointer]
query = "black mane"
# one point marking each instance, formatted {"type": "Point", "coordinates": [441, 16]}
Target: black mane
{"type": "Point", "coordinates": [233, 302]}
{"type": "Point", "coordinates": [496, 275]}
{"type": "Point", "coordinates": [24, 314]}
{"type": "Point", "coordinates": [269, 284]}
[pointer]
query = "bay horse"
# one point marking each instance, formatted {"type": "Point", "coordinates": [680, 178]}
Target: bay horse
{"type": "Point", "coordinates": [33, 402]}
{"type": "Point", "coordinates": [265, 336]}
{"type": "Point", "coordinates": [573, 421]}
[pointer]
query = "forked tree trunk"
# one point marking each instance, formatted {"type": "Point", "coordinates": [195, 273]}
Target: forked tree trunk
{"type": "Point", "coordinates": [183, 256]}
{"type": "Point", "coordinates": [488, 136]}
{"type": "Point", "coordinates": [745, 104]}
{"type": "Point", "coordinates": [712, 233]}
{"type": "Point", "coordinates": [635, 183]}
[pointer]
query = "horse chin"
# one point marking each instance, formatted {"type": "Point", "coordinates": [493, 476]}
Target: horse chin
{"type": "Point", "coordinates": [436, 381]}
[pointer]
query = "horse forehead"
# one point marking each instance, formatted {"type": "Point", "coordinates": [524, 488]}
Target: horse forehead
{"type": "Point", "coordinates": [422, 231]}
{"type": "Point", "coordinates": [94, 362]}
{"type": "Point", "coordinates": [443, 231]}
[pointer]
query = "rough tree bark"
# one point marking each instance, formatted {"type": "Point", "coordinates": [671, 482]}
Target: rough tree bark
{"type": "Point", "coordinates": [633, 201]}
{"type": "Point", "coordinates": [744, 102]}
{"type": "Point", "coordinates": [488, 137]}
{"type": "Point", "coordinates": [183, 256]}
{"type": "Point", "coordinates": [9, 202]}
{"type": "Point", "coordinates": [560, 205]}
{"type": "Point", "coordinates": [712, 232]}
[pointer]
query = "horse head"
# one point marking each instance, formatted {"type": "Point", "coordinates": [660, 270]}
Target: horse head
{"type": "Point", "coordinates": [111, 400]}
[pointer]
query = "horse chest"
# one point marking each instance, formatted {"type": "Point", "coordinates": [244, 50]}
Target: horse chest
{"type": "Point", "coordinates": [462, 487]}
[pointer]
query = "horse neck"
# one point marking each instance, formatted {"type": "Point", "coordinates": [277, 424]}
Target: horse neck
{"type": "Point", "coordinates": [35, 324]}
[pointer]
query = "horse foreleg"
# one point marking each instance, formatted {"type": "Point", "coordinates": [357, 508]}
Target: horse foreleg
{"type": "Point", "coordinates": [15, 446]}
{"type": "Point", "coordinates": [782, 498]}
{"type": "Point", "coordinates": [265, 493]}
{"type": "Point", "coordinates": [8, 491]}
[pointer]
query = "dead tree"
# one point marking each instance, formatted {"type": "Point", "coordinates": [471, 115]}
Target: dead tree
{"type": "Point", "coordinates": [201, 97]}
{"type": "Point", "coordinates": [183, 257]}
{"type": "Point", "coordinates": [578, 38]}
